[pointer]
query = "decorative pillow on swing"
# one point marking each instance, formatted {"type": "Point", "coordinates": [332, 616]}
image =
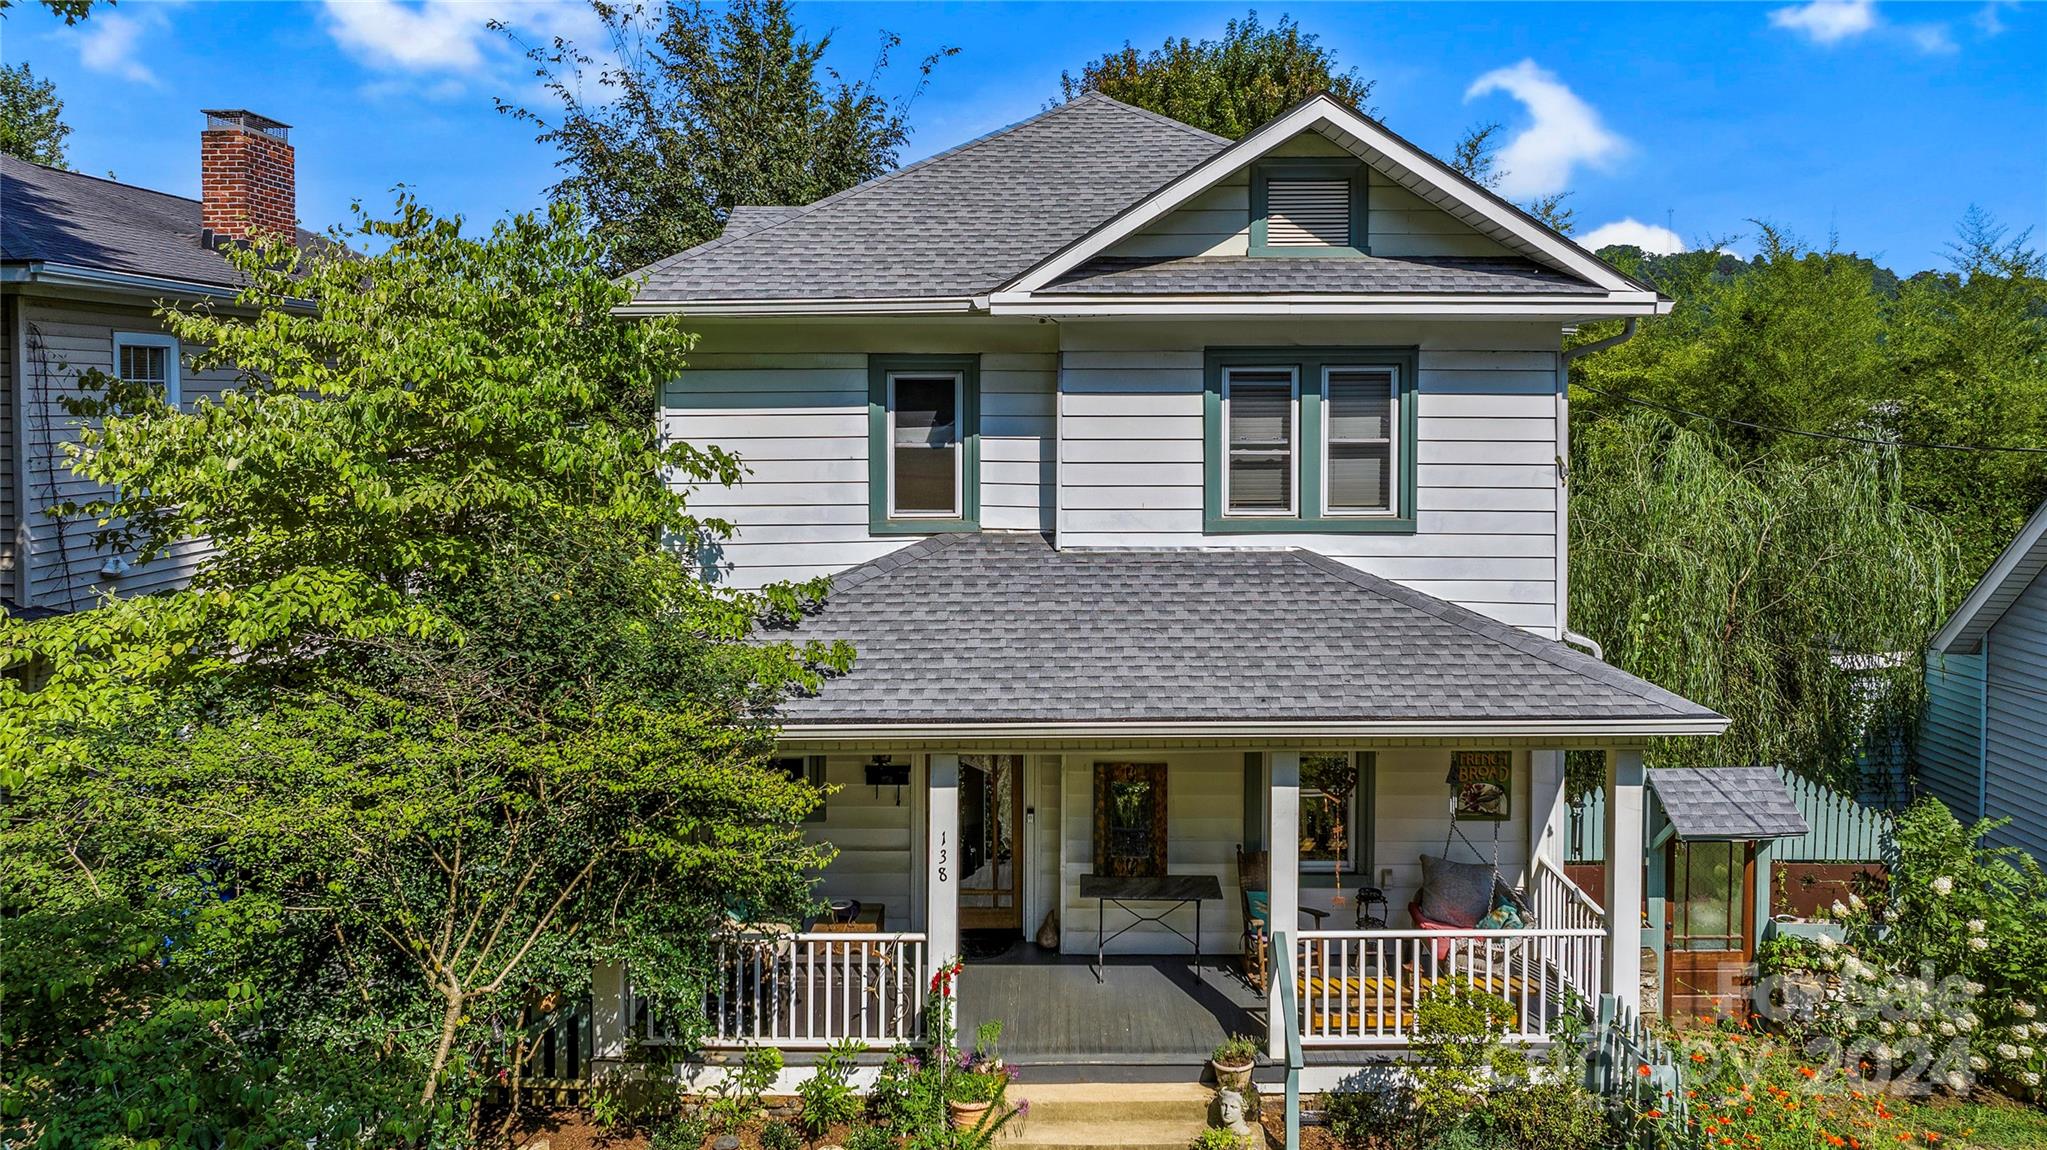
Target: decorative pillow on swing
{"type": "Point", "coordinates": [1455, 893]}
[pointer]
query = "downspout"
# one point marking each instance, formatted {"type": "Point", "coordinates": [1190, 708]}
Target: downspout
{"type": "Point", "coordinates": [1564, 361]}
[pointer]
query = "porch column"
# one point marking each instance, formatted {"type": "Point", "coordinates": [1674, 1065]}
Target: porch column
{"type": "Point", "coordinates": [608, 1022]}
{"type": "Point", "coordinates": [942, 861]}
{"type": "Point", "coordinates": [1283, 883]}
{"type": "Point", "coordinates": [1548, 811]}
{"type": "Point", "coordinates": [1623, 973]}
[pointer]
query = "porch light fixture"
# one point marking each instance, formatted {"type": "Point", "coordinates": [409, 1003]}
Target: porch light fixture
{"type": "Point", "coordinates": [884, 771]}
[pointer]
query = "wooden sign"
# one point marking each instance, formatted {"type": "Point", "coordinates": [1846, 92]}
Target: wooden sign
{"type": "Point", "coordinates": [1484, 782]}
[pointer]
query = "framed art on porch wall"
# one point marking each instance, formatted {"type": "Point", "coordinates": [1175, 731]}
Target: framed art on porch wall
{"type": "Point", "coordinates": [1130, 820]}
{"type": "Point", "coordinates": [1483, 782]}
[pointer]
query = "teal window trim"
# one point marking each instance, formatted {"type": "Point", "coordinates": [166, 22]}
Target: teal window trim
{"type": "Point", "coordinates": [879, 369]}
{"type": "Point", "coordinates": [1311, 517]}
{"type": "Point", "coordinates": [1311, 168]}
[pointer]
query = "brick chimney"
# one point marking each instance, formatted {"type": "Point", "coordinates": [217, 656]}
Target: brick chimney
{"type": "Point", "coordinates": [246, 177]}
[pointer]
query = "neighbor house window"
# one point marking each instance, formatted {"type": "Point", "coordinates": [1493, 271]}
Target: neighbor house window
{"type": "Point", "coordinates": [1308, 207]}
{"type": "Point", "coordinates": [148, 357]}
{"type": "Point", "coordinates": [1335, 801]}
{"type": "Point", "coordinates": [923, 443]}
{"type": "Point", "coordinates": [1310, 439]}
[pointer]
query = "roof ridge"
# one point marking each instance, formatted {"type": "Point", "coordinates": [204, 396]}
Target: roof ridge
{"type": "Point", "coordinates": [803, 211]}
{"type": "Point", "coordinates": [1147, 113]}
{"type": "Point", "coordinates": [1548, 650]}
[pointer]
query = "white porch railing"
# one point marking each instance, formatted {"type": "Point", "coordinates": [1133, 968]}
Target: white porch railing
{"type": "Point", "coordinates": [806, 991]}
{"type": "Point", "coordinates": [1361, 987]}
{"type": "Point", "coordinates": [1559, 902]}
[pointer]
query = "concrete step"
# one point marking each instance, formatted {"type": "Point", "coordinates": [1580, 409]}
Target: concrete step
{"type": "Point", "coordinates": [1108, 1115]}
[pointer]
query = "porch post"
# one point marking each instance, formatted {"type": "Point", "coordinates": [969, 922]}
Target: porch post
{"type": "Point", "coordinates": [608, 1022]}
{"type": "Point", "coordinates": [1282, 884]}
{"type": "Point", "coordinates": [1623, 973]}
{"type": "Point", "coordinates": [942, 861]}
{"type": "Point", "coordinates": [1547, 808]}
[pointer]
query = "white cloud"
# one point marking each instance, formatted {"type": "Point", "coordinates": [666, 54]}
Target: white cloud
{"type": "Point", "coordinates": [1932, 39]}
{"type": "Point", "coordinates": [1827, 21]}
{"type": "Point", "coordinates": [110, 41]}
{"type": "Point", "coordinates": [1650, 238]}
{"type": "Point", "coordinates": [1989, 19]}
{"type": "Point", "coordinates": [1564, 131]}
{"type": "Point", "coordinates": [440, 44]}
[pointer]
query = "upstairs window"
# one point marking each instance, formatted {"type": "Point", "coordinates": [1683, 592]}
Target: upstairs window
{"type": "Point", "coordinates": [923, 444]}
{"type": "Point", "coordinates": [1308, 207]}
{"type": "Point", "coordinates": [1310, 440]}
{"type": "Point", "coordinates": [148, 357]}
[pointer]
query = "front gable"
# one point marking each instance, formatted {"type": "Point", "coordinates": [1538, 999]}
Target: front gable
{"type": "Point", "coordinates": [1393, 222]}
{"type": "Point", "coordinates": [1429, 235]}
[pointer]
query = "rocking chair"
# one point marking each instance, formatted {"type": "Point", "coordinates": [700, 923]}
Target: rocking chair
{"type": "Point", "coordinates": [1254, 875]}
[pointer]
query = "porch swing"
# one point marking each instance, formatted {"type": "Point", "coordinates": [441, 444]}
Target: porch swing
{"type": "Point", "coordinates": [1457, 896]}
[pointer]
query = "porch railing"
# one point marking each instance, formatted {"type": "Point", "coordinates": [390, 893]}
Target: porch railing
{"type": "Point", "coordinates": [1361, 987]}
{"type": "Point", "coordinates": [1559, 902]}
{"type": "Point", "coordinates": [806, 991]}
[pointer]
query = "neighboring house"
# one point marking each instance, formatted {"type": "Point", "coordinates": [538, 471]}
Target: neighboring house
{"type": "Point", "coordinates": [84, 264]}
{"type": "Point", "coordinates": [1196, 509]}
{"type": "Point", "coordinates": [1982, 745]}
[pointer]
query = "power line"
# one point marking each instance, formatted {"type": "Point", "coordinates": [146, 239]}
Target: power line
{"type": "Point", "coordinates": [1838, 438]}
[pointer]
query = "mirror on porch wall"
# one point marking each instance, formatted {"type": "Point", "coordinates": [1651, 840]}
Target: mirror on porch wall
{"type": "Point", "coordinates": [1332, 816]}
{"type": "Point", "coordinates": [991, 818]}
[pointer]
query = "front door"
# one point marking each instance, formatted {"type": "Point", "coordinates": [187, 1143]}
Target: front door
{"type": "Point", "coordinates": [991, 842]}
{"type": "Point", "coordinates": [1710, 938]}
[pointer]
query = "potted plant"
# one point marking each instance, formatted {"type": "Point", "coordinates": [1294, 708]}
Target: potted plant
{"type": "Point", "coordinates": [1232, 1062]}
{"type": "Point", "coordinates": [970, 1093]}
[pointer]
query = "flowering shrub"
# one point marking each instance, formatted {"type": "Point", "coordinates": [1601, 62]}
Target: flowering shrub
{"type": "Point", "coordinates": [1941, 975]}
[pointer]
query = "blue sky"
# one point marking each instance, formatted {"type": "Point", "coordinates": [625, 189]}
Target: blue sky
{"type": "Point", "coordinates": [1878, 123]}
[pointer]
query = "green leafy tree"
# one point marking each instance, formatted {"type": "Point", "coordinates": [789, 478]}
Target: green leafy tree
{"type": "Point", "coordinates": [1794, 596]}
{"type": "Point", "coordinates": [32, 124]}
{"type": "Point", "coordinates": [304, 852]}
{"type": "Point", "coordinates": [1476, 157]}
{"type": "Point", "coordinates": [72, 11]}
{"type": "Point", "coordinates": [1229, 85]}
{"type": "Point", "coordinates": [698, 110]}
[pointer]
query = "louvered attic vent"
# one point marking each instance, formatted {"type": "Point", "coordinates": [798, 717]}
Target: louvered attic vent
{"type": "Point", "coordinates": [1307, 213]}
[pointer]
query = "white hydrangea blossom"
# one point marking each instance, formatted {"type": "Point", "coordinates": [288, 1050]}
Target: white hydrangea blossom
{"type": "Point", "coordinates": [2023, 1009]}
{"type": "Point", "coordinates": [1886, 1029]}
{"type": "Point", "coordinates": [1977, 926]}
{"type": "Point", "coordinates": [2025, 1051]}
{"type": "Point", "coordinates": [1973, 987]}
{"type": "Point", "coordinates": [1978, 1062]}
{"type": "Point", "coordinates": [1943, 886]}
{"type": "Point", "coordinates": [2021, 1030]}
{"type": "Point", "coordinates": [1827, 942]}
{"type": "Point", "coordinates": [1947, 1029]}
{"type": "Point", "coordinates": [2007, 1051]}
{"type": "Point", "coordinates": [1979, 943]}
{"type": "Point", "coordinates": [2029, 1078]}
{"type": "Point", "coordinates": [1854, 900]}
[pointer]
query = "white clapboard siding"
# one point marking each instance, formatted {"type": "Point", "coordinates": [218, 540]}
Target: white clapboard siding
{"type": "Point", "coordinates": [60, 567]}
{"type": "Point", "coordinates": [872, 831]}
{"type": "Point", "coordinates": [1205, 824]}
{"type": "Point", "coordinates": [792, 405]}
{"type": "Point", "coordinates": [1130, 471]}
{"type": "Point", "coordinates": [1217, 222]}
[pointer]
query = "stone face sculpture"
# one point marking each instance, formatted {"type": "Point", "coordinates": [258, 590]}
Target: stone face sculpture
{"type": "Point", "coordinates": [1227, 1111]}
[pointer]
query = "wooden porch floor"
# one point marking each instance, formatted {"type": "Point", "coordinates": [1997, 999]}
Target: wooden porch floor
{"type": "Point", "coordinates": [1149, 1008]}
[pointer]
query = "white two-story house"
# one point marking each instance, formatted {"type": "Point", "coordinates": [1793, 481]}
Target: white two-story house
{"type": "Point", "coordinates": [1196, 509]}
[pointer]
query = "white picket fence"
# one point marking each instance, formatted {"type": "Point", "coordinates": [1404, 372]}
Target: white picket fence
{"type": "Point", "coordinates": [806, 991]}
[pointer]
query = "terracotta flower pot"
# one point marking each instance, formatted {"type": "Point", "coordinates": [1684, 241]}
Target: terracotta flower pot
{"type": "Point", "coordinates": [1236, 1078]}
{"type": "Point", "coordinates": [966, 1115]}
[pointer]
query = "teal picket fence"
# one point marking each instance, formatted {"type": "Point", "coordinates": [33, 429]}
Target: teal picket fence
{"type": "Point", "coordinates": [1637, 1073]}
{"type": "Point", "coordinates": [1845, 829]}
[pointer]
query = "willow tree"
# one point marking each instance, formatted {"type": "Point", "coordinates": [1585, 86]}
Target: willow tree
{"type": "Point", "coordinates": [1795, 596]}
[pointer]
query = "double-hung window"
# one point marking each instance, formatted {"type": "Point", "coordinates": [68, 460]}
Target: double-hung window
{"type": "Point", "coordinates": [923, 443]}
{"type": "Point", "coordinates": [1310, 440]}
{"type": "Point", "coordinates": [148, 357]}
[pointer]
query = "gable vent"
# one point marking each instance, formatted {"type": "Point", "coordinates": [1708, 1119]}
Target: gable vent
{"type": "Point", "coordinates": [1307, 213]}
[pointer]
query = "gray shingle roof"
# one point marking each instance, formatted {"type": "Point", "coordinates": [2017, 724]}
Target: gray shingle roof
{"type": "Point", "coordinates": [1727, 803]}
{"type": "Point", "coordinates": [961, 223]}
{"type": "Point", "coordinates": [67, 218]}
{"type": "Point", "coordinates": [995, 628]}
{"type": "Point", "coordinates": [1198, 275]}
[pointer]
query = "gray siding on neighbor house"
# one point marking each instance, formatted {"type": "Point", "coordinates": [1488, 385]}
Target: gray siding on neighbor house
{"type": "Point", "coordinates": [10, 514]}
{"type": "Point", "coordinates": [1950, 744]}
{"type": "Point", "coordinates": [56, 564]}
{"type": "Point", "coordinates": [2015, 721]}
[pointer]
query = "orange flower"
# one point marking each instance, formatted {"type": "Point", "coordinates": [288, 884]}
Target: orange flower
{"type": "Point", "coordinates": [1643, 1070]}
{"type": "Point", "coordinates": [1652, 1113]}
{"type": "Point", "coordinates": [1808, 1072]}
{"type": "Point", "coordinates": [1698, 1056]}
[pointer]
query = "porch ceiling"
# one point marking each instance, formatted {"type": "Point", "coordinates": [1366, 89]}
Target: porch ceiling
{"type": "Point", "coordinates": [1000, 636]}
